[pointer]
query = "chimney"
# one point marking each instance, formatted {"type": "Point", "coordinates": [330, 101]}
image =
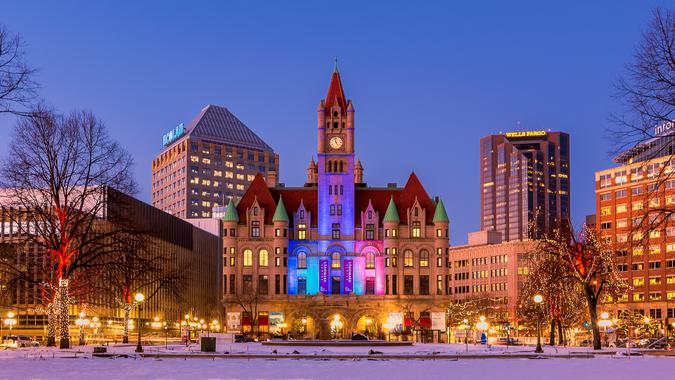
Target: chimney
{"type": "Point", "coordinates": [272, 179]}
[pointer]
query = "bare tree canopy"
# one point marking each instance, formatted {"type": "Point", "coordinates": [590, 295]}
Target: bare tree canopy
{"type": "Point", "coordinates": [647, 90]}
{"type": "Point", "coordinates": [55, 182]}
{"type": "Point", "coordinates": [17, 87]}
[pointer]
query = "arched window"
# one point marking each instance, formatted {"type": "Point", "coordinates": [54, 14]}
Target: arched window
{"type": "Point", "coordinates": [407, 258]}
{"type": "Point", "coordinates": [263, 258]}
{"type": "Point", "coordinates": [336, 260]}
{"type": "Point", "coordinates": [329, 166]}
{"type": "Point", "coordinates": [370, 260]}
{"type": "Point", "coordinates": [248, 258]}
{"type": "Point", "coordinates": [340, 167]}
{"type": "Point", "coordinates": [302, 260]}
{"type": "Point", "coordinates": [424, 258]}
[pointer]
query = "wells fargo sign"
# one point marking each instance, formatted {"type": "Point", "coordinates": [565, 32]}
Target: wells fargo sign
{"type": "Point", "coordinates": [525, 134]}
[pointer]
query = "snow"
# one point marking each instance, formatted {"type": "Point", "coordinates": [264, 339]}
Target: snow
{"type": "Point", "coordinates": [45, 363]}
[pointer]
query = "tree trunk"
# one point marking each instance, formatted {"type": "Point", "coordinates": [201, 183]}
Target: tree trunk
{"type": "Point", "coordinates": [52, 321]}
{"type": "Point", "coordinates": [551, 336]}
{"type": "Point", "coordinates": [64, 318]}
{"type": "Point", "coordinates": [561, 335]}
{"type": "Point", "coordinates": [125, 334]}
{"type": "Point", "coordinates": [593, 313]}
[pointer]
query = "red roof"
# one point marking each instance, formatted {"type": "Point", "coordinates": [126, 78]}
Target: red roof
{"type": "Point", "coordinates": [335, 93]}
{"type": "Point", "coordinates": [379, 197]}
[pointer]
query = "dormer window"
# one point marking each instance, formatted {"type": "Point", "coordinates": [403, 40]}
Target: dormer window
{"type": "Point", "coordinates": [416, 229]}
{"type": "Point", "coordinates": [335, 113]}
{"type": "Point", "coordinates": [255, 229]}
{"type": "Point", "coordinates": [417, 212]}
{"type": "Point", "coordinates": [370, 232]}
{"type": "Point", "coordinates": [255, 211]}
{"type": "Point", "coordinates": [302, 214]}
{"type": "Point", "coordinates": [302, 231]}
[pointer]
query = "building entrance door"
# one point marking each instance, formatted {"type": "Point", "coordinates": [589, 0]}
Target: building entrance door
{"type": "Point", "coordinates": [335, 285]}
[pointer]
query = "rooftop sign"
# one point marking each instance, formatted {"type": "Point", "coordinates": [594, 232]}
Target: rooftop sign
{"type": "Point", "coordinates": [525, 134]}
{"type": "Point", "coordinates": [663, 128]}
{"type": "Point", "coordinates": [173, 134]}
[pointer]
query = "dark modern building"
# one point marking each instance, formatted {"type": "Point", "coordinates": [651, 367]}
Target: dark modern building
{"type": "Point", "coordinates": [184, 246]}
{"type": "Point", "coordinates": [203, 165]}
{"type": "Point", "coordinates": [524, 175]}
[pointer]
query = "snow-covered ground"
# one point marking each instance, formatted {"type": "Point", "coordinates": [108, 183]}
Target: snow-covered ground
{"type": "Point", "coordinates": [54, 364]}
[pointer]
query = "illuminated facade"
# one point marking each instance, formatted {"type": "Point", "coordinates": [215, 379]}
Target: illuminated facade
{"type": "Point", "coordinates": [634, 204]}
{"type": "Point", "coordinates": [336, 252]}
{"type": "Point", "coordinates": [524, 175]}
{"type": "Point", "coordinates": [204, 164]}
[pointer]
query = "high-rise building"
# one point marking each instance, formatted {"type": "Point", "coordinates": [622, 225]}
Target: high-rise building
{"type": "Point", "coordinates": [524, 176]}
{"type": "Point", "coordinates": [634, 208]}
{"type": "Point", "coordinates": [210, 161]}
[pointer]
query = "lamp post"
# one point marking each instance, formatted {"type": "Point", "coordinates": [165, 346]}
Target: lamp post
{"type": "Point", "coordinates": [466, 333]}
{"type": "Point", "coordinates": [139, 297]}
{"type": "Point", "coordinates": [10, 321]}
{"type": "Point", "coordinates": [538, 299]}
{"type": "Point", "coordinates": [605, 322]}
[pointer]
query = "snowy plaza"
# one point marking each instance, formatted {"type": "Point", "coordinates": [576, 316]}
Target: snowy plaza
{"type": "Point", "coordinates": [478, 363]}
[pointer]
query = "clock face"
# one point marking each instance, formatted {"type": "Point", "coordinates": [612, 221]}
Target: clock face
{"type": "Point", "coordinates": [335, 142]}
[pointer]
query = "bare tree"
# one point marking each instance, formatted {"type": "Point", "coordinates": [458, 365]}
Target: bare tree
{"type": "Point", "coordinates": [586, 261]}
{"type": "Point", "coordinates": [134, 264]}
{"type": "Point", "coordinates": [58, 172]}
{"type": "Point", "coordinates": [17, 87]}
{"type": "Point", "coordinates": [248, 301]}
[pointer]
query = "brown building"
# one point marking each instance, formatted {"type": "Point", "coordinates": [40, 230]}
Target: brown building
{"type": "Point", "coordinates": [210, 161]}
{"type": "Point", "coordinates": [523, 176]}
{"type": "Point", "coordinates": [337, 256]}
{"type": "Point", "coordinates": [631, 203]}
{"type": "Point", "coordinates": [185, 246]}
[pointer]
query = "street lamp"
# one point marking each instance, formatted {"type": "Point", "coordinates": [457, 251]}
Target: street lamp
{"type": "Point", "coordinates": [10, 321]}
{"type": "Point", "coordinates": [538, 299]}
{"type": "Point", "coordinates": [605, 322]}
{"type": "Point", "coordinates": [81, 322]}
{"type": "Point", "coordinates": [139, 297]}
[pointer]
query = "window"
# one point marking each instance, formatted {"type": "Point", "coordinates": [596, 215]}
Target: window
{"type": "Point", "coordinates": [248, 284]}
{"type": "Point", "coordinates": [620, 193]}
{"type": "Point", "coordinates": [439, 285]}
{"type": "Point", "coordinates": [416, 230]}
{"type": "Point", "coordinates": [263, 258]}
{"type": "Point", "coordinates": [370, 260]}
{"type": "Point", "coordinates": [255, 227]}
{"type": "Point", "coordinates": [605, 196]}
{"type": "Point", "coordinates": [424, 258]}
{"type": "Point", "coordinates": [424, 285]}
{"type": "Point", "coordinates": [336, 231]}
{"type": "Point", "coordinates": [654, 264]}
{"type": "Point", "coordinates": [606, 211]}
{"type": "Point", "coordinates": [407, 285]}
{"type": "Point", "coordinates": [248, 258]}
{"type": "Point", "coordinates": [370, 285]}
{"type": "Point", "coordinates": [370, 232]}
{"type": "Point", "coordinates": [605, 180]}
{"type": "Point", "coordinates": [620, 208]}
{"type": "Point", "coordinates": [407, 258]}
{"type": "Point", "coordinates": [302, 260]}
{"type": "Point", "coordinates": [335, 262]}
{"type": "Point", "coordinates": [263, 285]}
{"type": "Point", "coordinates": [302, 285]}
{"type": "Point", "coordinates": [302, 231]}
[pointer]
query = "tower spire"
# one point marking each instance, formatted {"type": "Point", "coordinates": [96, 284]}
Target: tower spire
{"type": "Point", "coordinates": [335, 68]}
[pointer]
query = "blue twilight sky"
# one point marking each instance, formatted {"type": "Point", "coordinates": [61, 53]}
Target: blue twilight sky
{"type": "Point", "coordinates": [428, 79]}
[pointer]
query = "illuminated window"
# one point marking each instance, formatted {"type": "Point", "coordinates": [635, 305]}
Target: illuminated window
{"type": "Point", "coordinates": [302, 260]}
{"type": "Point", "coordinates": [416, 230]}
{"type": "Point", "coordinates": [424, 258]}
{"type": "Point", "coordinates": [248, 258]}
{"type": "Point", "coordinates": [638, 281]}
{"type": "Point", "coordinates": [606, 211]}
{"type": "Point", "coordinates": [302, 231]}
{"type": "Point", "coordinates": [335, 263]}
{"type": "Point", "coordinates": [370, 260]}
{"type": "Point", "coordinates": [407, 258]}
{"type": "Point", "coordinates": [336, 231]}
{"type": "Point", "coordinates": [263, 258]}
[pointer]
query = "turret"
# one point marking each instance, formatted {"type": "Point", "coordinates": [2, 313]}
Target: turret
{"type": "Point", "coordinates": [391, 220]}
{"type": "Point", "coordinates": [441, 225]}
{"type": "Point", "coordinates": [280, 221]}
{"type": "Point", "coordinates": [230, 220]}
{"type": "Point", "coordinates": [358, 172]}
{"type": "Point", "coordinates": [312, 173]}
{"type": "Point", "coordinates": [321, 125]}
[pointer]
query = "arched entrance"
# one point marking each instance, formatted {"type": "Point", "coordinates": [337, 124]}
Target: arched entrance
{"type": "Point", "coordinates": [303, 327]}
{"type": "Point", "coordinates": [368, 324]}
{"type": "Point", "coordinates": [336, 325]}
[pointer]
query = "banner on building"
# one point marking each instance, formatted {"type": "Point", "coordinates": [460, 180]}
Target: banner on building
{"type": "Point", "coordinates": [233, 322]}
{"type": "Point", "coordinates": [349, 276]}
{"type": "Point", "coordinates": [323, 276]}
{"type": "Point", "coordinates": [395, 321]}
{"type": "Point", "coordinates": [438, 321]}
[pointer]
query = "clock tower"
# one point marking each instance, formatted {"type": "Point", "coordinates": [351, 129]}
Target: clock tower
{"type": "Point", "coordinates": [335, 150]}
